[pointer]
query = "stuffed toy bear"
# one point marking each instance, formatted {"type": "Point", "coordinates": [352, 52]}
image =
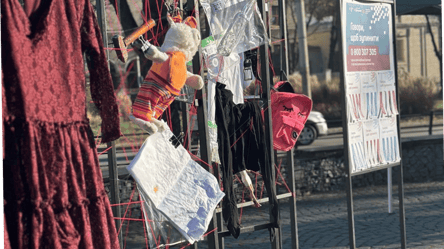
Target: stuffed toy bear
{"type": "Point", "coordinates": [167, 75]}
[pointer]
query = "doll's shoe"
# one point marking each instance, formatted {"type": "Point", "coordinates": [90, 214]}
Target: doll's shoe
{"type": "Point", "coordinates": [247, 182]}
{"type": "Point", "coordinates": [194, 81]}
{"type": "Point", "coordinates": [144, 125]}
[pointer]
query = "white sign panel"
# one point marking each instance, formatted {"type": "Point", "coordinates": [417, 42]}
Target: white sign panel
{"type": "Point", "coordinates": [370, 88]}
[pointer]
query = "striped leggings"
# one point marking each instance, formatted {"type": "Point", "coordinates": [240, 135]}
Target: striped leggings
{"type": "Point", "coordinates": [151, 101]}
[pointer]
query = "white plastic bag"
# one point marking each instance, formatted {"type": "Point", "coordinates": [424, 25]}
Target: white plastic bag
{"type": "Point", "coordinates": [221, 13]}
{"type": "Point", "coordinates": [178, 187]}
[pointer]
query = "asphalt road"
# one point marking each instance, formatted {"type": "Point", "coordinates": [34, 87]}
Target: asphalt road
{"type": "Point", "coordinates": [323, 224]}
{"type": "Point", "coordinates": [125, 155]}
{"type": "Point", "coordinates": [336, 139]}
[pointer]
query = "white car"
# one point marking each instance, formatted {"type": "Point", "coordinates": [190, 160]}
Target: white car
{"type": "Point", "coordinates": [314, 127]}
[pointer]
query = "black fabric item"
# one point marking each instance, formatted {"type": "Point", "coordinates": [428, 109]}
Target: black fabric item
{"type": "Point", "coordinates": [242, 145]}
{"type": "Point", "coordinates": [286, 88]}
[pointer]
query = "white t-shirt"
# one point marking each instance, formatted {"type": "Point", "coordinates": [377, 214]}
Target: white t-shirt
{"type": "Point", "coordinates": [225, 70]}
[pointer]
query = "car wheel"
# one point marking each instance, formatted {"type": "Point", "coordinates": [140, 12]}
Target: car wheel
{"type": "Point", "coordinates": [308, 135]}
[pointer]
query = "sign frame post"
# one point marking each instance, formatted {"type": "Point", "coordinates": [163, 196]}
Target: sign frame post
{"type": "Point", "coordinates": [345, 122]}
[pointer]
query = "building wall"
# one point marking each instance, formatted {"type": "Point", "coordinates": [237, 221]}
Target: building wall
{"type": "Point", "coordinates": [414, 44]}
{"type": "Point", "coordinates": [418, 55]}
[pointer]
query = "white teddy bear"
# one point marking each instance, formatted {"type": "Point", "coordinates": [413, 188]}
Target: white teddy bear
{"type": "Point", "coordinates": [167, 75]}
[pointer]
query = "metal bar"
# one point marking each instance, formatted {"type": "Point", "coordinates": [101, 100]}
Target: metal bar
{"type": "Point", "coordinates": [265, 73]}
{"type": "Point", "coordinates": [425, 50]}
{"type": "Point", "coordinates": [408, 49]}
{"type": "Point", "coordinates": [114, 186]}
{"type": "Point", "coordinates": [213, 238]}
{"type": "Point", "coordinates": [112, 165]}
{"type": "Point", "coordinates": [431, 123]}
{"type": "Point", "coordinates": [304, 67]}
{"type": "Point", "coordinates": [263, 200]}
{"type": "Point", "coordinates": [351, 221]}
{"type": "Point", "coordinates": [220, 227]}
{"type": "Point", "coordinates": [249, 229]}
{"type": "Point", "coordinates": [400, 173]}
{"type": "Point", "coordinates": [283, 32]}
{"type": "Point", "coordinates": [185, 121]}
{"type": "Point", "coordinates": [290, 155]}
{"type": "Point", "coordinates": [139, 76]}
{"type": "Point", "coordinates": [100, 6]}
{"type": "Point", "coordinates": [293, 214]}
{"type": "Point", "coordinates": [389, 190]}
{"type": "Point", "coordinates": [421, 49]}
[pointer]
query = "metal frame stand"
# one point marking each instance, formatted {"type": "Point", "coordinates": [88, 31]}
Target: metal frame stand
{"type": "Point", "coordinates": [351, 222]}
{"type": "Point", "coordinates": [216, 239]}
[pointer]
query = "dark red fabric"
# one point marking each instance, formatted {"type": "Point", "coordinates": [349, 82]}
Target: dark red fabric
{"type": "Point", "coordinates": [290, 113]}
{"type": "Point", "coordinates": [53, 186]}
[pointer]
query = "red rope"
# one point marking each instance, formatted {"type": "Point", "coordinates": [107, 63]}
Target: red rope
{"type": "Point", "coordinates": [200, 160]}
{"type": "Point", "coordinates": [133, 219]}
{"type": "Point", "coordinates": [282, 177]}
{"type": "Point", "coordinates": [127, 230]}
{"type": "Point", "coordinates": [127, 207]}
{"type": "Point", "coordinates": [202, 236]}
{"type": "Point", "coordinates": [242, 208]}
{"type": "Point", "coordinates": [105, 150]}
{"type": "Point", "coordinates": [251, 125]}
{"type": "Point", "coordinates": [127, 203]}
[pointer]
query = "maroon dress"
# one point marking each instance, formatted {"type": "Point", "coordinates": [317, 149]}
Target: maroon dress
{"type": "Point", "coordinates": [54, 195]}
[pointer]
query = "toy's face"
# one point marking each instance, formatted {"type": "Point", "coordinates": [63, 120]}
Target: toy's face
{"type": "Point", "coordinates": [183, 38]}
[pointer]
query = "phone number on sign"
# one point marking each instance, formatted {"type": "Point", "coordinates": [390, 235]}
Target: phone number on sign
{"type": "Point", "coordinates": [363, 51]}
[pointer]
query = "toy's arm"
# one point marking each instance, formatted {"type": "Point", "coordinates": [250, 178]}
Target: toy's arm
{"type": "Point", "coordinates": [194, 81]}
{"type": "Point", "coordinates": [152, 52]}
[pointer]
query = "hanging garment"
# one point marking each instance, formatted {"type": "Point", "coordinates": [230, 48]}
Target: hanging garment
{"type": "Point", "coordinates": [229, 74]}
{"type": "Point", "coordinates": [54, 195]}
{"type": "Point", "coordinates": [242, 145]}
{"type": "Point", "coordinates": [178, 187]}
{"type": "Point", "coordinates": [289, 112]}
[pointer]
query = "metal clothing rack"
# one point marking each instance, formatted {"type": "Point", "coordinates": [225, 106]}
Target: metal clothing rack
{"type": "Point", "coordinates": [216, 238]}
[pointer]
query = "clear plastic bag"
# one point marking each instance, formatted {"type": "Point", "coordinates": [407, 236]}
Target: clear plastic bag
{"type": "Point", "coordinates": [161, 233]}
{"type": "Point", "coordinates": [221, 14]}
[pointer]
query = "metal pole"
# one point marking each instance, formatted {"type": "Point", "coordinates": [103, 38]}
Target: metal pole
{"type": "Point", "coordinates": [290, 155]}
{"type": "Point", "coordinates": [400, 172]}
{"type": "Point", "coordinates": [112, 165]}
{"type": "Point", "coordinates": [440, 50]}
{"type": "Point", "coordinates": [114, 185]}
{"type": "Point", "coordinates": [265, 73]}
{"type": "Point", "coordinates": [304, 67]}
{"type": "Point", "coordinates": [186, 128]}
{"type": "Point", "coordinates": [431, 123]}
{"type": "Point", "coordinates": [139, 78]}
{"type": "Point", "coordinates": [201, 97]}
{"type": "Point", "coordinates": [389, 190]}
{"type": "Point", "coordinates": [351, 221]}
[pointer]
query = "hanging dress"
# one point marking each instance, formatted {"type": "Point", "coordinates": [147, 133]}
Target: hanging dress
{"type": "Point", "coordinates": [54, 195]}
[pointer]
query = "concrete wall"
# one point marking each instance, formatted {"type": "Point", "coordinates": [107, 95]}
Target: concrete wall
{"type": "Point", "coordinates": [320, 171]}
{"type": "Point", "coordinates": [324, 170]}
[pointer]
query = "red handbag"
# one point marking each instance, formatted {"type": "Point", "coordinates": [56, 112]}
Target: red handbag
{"type": "Point", "coordinates": [289, 112]}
